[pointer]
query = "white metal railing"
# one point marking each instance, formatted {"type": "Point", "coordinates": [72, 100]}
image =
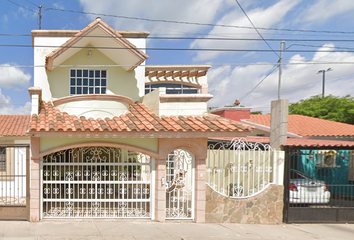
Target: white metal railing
{"type": "Point", "coordinates": [179, 185]}
{"type": "Point", "coordinates": [239, 169]}
{"type": "Point", "coordinates": [96, 182]}
{"type": "Point", "coordinates": [13, 176]}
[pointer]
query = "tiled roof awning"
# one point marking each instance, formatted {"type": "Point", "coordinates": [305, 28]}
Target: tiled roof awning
{"type": "Point", "coordinates": [14, 125]}
{"type": "Point", "coordinates": [139, 121]}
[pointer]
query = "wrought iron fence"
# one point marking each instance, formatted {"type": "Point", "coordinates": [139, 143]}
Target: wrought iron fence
{"type": "Point", "coordinates": [319, 185]}
{"type": "Point", "coordinates": [239, 169]}
{"type": "Point", "coordinates": [13, 169]}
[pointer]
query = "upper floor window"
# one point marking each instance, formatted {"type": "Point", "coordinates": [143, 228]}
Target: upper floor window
{"type": "Point", "coordinates": [2, 159]}
{"type": "Point", "coordinates": [172, 88]}
{"type": "Point", "coordinates": [88, 81]}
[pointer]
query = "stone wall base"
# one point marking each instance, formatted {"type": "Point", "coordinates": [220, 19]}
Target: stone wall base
{"type": "Point", "coordinates": [265, 208]}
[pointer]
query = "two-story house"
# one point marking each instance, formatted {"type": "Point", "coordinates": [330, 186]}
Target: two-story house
{"type": "Point", "coordinates": [113, 138]}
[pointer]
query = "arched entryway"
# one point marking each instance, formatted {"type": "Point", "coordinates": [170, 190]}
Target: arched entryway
{"type": "Point", "coordinates": [97, 182]}
{"type": "Point", "coordinates": [180, 182]}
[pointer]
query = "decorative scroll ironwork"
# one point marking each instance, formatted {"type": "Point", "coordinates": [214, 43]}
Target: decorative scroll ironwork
{"type": "Point", "coordinates": [240, 169]}
{"type": "Point", "coordinates": [179, 185]}
{"type": "Point", "coordinates": [98, 182]}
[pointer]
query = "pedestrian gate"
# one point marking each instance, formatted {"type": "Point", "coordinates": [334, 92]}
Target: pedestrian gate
{"type": "Point", "coordinates": [14, 187]}
{"type": "Point", "coordinates": [179, 185]}
{"type": "Point", "coordinates": [97, 182]}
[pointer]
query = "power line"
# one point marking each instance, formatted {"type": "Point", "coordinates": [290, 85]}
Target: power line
{"type": "Point", "coordinates": [244, 12]}
{"type": "Point", "coordinates": [268, 74]}
{"type": "Point", "coordinates": [211, 64]}
{"type": "Point", "coordinates": [32, 3]}
{"type": "Point", "coordinates": [194, 23]}
{"type": "Point", "coordinates": [198, 38]}
{"type": "Point", "coordinates": [176, 49]}
{"type": "Point", "coordinates": [22, 6]}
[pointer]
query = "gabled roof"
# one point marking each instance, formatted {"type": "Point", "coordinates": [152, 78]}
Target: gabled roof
{"type": "Point", "coordinates": [14, 125]}
{"type": "Point", "coordinates": [139, 119]}
{"type": "Point", "coordinates": [308, 126]}
{"type": "Point", "coordinates": [123, 50]}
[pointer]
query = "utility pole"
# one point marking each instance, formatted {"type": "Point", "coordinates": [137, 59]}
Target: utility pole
{"type": "Point", "coordinates": [280, 66]}
{"type": "Point", "coordinates": [40, 16]}
{"type": "Point", "coordinates": [323, 71]}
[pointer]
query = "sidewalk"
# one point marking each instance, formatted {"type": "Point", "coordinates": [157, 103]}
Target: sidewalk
{"type": "Point", "coordinates": [110, 229]}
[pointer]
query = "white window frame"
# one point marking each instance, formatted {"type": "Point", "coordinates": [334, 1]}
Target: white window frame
{"type": "Point", "coordinates": [183, 87]}
{"type": "Point", "coordinates": [96, 88]}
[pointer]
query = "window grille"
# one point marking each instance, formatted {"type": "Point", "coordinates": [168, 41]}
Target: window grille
{"type": "Point", "coordinates": [2, 159]}
{"type": "Point", "coordinates": [88, 81]}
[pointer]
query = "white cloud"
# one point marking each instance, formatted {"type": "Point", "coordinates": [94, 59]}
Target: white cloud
{"type": "Point", "coordinates": [298, 81]}
{"type": "Point", "coordinates": [58, 5]}
{"type": "Point", "coordinates": [260, 17]}
{"type": "Point", "coordinates": [202, 11]}
{"type": "Point", "coordinates": [11, 77]}
{"type": "Point", "coordinates": [6, 107]}
{"type": "Point", "coordinates": [5, 19]}
{"type": "Point", "coordinates": [323, 10]}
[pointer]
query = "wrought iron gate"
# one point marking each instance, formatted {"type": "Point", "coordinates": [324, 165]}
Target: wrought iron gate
{"type": "Point", "coordinates": [319, 185]}
{"type": "Point", "coordinates": [239, 169]}
{"type": "Point", "coordinates": [14, 187]}
{"type": "Point", "coordinates": [179, 185]}
{"type": "Point", "coordinates": [97, 182]}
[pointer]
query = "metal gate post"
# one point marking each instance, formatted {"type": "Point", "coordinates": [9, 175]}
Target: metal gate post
{"type": "Point", "coordinates": [287, 165]}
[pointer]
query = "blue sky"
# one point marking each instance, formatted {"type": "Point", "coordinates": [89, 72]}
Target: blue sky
{"type": "Point", "coordinates": [234, 74]}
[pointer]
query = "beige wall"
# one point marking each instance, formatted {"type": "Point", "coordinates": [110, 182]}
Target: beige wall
{"type": "Point", "coordinates": [120, 82]}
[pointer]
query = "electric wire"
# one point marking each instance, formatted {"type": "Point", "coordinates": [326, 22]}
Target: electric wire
{"type": "Point", "coordinates": [265, 77]}
{"type": "Point", "coordinates": [22, 6]}
{"type": "Point", "coordinates": [32, 3]}
{"type": "Point", "coordinates": [175, 49]}
{"type": "Point", "coordinates": [244, 12]}
{"type": "Point", "coordinates": [194, 38]}
{"type": "Point", "coordinates": [186, 65]}
{"type": "Point", "coordinates": [195, 23]}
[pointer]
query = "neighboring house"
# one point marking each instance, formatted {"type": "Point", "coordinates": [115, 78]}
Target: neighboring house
{"type": "Point", "coordinates": [320, 149]}
{"type": "Point", "coordinates": [113, 138]}
{"type": "Point", "coordinates": [14, 154]}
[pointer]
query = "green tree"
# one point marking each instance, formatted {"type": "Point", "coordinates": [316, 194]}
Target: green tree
{"type": "Point", "coordinates": [257, 113]}
{"type": "Point", "coordinates": [339, 109]}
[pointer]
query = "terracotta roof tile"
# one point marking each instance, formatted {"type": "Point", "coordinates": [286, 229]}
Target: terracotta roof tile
{"type": "Point", "coordinates": [14, 125]}
{"type": "Point", "coordinates": [309, 126]}
{"type": "Point", "coordinates": [138, 118]}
